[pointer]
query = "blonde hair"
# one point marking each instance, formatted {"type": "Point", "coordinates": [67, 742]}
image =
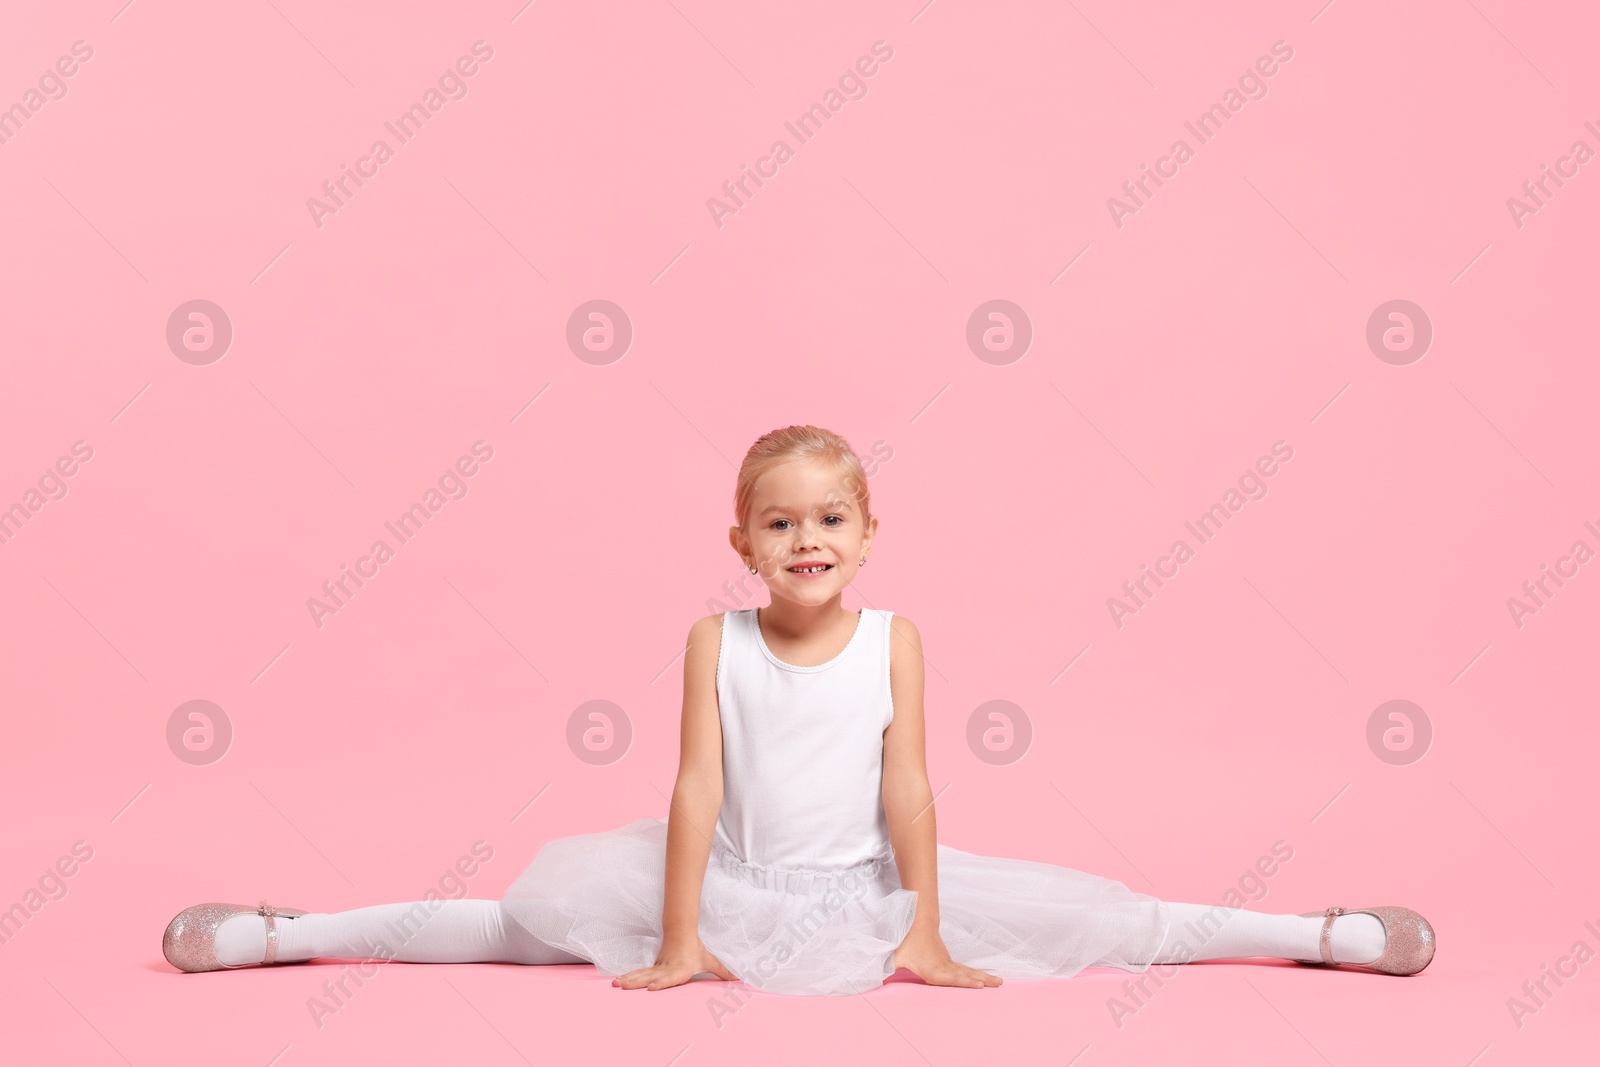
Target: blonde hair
{"type": "Point", "coordinates": [800, 442]}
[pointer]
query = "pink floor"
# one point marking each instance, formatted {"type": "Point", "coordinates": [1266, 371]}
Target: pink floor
{"type": "Point", "coordinates": [1353, 314]}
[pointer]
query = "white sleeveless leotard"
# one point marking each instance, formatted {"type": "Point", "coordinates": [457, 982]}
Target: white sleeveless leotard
{"type": "Point", "coordinates": [802, 749]}
{"type": "Point", "coordinates": [801, 893]}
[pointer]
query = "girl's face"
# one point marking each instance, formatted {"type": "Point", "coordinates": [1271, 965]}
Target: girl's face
{"type": "Point", "coordinates": [803, 515]}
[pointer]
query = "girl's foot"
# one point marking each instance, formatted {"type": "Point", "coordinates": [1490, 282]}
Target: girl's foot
{"type": "Point", "coordinates": [1405, 944]}
{"type": "Point", "coordinates": [191, 940]}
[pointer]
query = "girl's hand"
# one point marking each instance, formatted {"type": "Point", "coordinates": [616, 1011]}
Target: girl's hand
{"type": "Point", "coordinates": [675, 965]}
{"type": "Point", "coordinates": [925, 956]}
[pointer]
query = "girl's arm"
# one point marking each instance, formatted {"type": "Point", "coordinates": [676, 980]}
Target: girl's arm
{"type": "Point", "coordinates": [908, 803]}
{"type": "Point", "coordinates": [696, 802]}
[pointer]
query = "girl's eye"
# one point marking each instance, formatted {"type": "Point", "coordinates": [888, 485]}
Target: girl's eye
{"type": "Point", "coordinates": [835, 525]}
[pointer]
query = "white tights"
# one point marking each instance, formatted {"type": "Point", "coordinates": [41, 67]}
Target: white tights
{"type": "Point", "coordinates": [1212, 932]}
{"type": "Point", "coordinates": [481, 931]}
{"type": "Point", "coordinates": [460, 931]}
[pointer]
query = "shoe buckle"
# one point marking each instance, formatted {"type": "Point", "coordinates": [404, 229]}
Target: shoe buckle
{"type": "Point", "coordinates": [268, 913]}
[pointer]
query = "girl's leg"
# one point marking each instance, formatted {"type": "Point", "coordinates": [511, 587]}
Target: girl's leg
{"type": "Point", "coordinates": [1212, 932]}
{"type": "Point", "coordinates": [439, 931]}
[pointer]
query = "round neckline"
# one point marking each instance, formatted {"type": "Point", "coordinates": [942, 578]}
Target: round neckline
{"type": "Point", "coordinates": [755, 621]}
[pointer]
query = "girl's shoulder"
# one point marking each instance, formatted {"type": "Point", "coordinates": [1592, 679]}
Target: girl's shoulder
{"type": "Point", "coordinates": [707, 630]}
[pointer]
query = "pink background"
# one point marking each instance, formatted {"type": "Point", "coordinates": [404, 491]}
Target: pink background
{"type": "Point", "coordinates": [368, 354]}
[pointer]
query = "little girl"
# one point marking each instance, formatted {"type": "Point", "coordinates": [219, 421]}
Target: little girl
{"type": "Point", "coordinates": [799, 854]}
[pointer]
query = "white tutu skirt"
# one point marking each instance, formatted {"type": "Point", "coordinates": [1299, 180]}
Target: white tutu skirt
{"type": "Point", "coordinates": [810, 933]}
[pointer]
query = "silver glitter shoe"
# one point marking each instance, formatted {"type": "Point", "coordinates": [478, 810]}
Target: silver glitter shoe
{"type": "Point", "coordinates": [190, 943]}
{"type": "Point", "coordinates": [1408, 939]}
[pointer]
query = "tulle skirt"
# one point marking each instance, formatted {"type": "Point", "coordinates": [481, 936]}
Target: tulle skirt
{"type": "Point", "coordinates": [810, 933]}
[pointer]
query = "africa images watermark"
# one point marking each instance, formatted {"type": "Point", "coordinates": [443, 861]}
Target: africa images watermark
{"type": "Point", "coordinates": [1251, 887]}
{"type": "Point", "coordinates": [843, 887]}
{"type": "Point", "coordinates": [1252, 485]}
{"type": "Point", "coordinates": [452, 485]}
{"type": "Point", "coordinates": [1252, 85]}
{"type": "Point", "coordinates": [1537, 994]}
{"type": "Point", "coordinates": [852, 85]}
{"type": "Point", "coordinates": [1579, 554]}
{"type": "Point", "coordinates": [51, 86]}
{"type": "Point", "coordinates": [1537, 192]}
{"type": "Point", "coordinates": [451, 885]}
{"type": "Point", "coordinates": [50, 886]}
{"type": "Point", "coordinates": [52, 485]}
{"type": "Point", "coordinates": [452, 85]}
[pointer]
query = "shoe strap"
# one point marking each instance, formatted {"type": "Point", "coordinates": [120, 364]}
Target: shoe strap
{"type": "Point", "coordinates": [1326, 940]}
{"type": "Point", "coordinates": [269, 914]}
